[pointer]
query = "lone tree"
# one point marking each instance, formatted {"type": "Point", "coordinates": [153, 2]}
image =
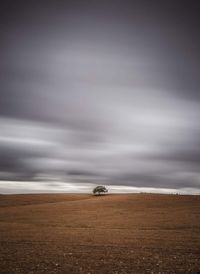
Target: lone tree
{"type": "Point", "coordinates": [98, 190]}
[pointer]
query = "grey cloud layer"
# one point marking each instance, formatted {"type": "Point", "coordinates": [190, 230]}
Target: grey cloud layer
{"type": "Point", "coordinates": [91, 94]}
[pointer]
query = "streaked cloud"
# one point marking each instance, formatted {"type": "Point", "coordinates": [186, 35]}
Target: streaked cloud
{"type": "Point", "coordinates": [99, 94]}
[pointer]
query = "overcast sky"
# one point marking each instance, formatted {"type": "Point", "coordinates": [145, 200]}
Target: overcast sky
{"type": "Point", "coordinates": [99, 92]}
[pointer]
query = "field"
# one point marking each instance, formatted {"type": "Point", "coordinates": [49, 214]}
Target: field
{"type": "Point", "coordinates": [127, 233]}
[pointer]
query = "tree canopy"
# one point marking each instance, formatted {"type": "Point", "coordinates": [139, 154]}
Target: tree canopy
{"type": "Point", "coordinates": [99, 190]}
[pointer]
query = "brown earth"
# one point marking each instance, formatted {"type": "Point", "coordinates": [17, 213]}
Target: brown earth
{"type": "Point", "coordinates": [130, 233]}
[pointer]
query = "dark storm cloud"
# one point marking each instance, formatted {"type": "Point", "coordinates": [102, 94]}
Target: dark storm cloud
{"type": "Point", "coordinates": [100, 92]}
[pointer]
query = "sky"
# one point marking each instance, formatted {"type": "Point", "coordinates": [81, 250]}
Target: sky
{"type": "Point", "coordinates": [99, 92]}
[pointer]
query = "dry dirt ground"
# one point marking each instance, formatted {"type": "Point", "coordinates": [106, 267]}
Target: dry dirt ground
{"type": "Point", "coordinates": [136, 233]}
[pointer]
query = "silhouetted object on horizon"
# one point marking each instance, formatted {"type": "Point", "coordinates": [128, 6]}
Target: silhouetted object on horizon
{"type": "Point", "coordinates": [98, 190]}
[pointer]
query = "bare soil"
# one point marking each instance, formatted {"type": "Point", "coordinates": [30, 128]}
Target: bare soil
{"type": "Point", "coordinates": [129, 233]}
